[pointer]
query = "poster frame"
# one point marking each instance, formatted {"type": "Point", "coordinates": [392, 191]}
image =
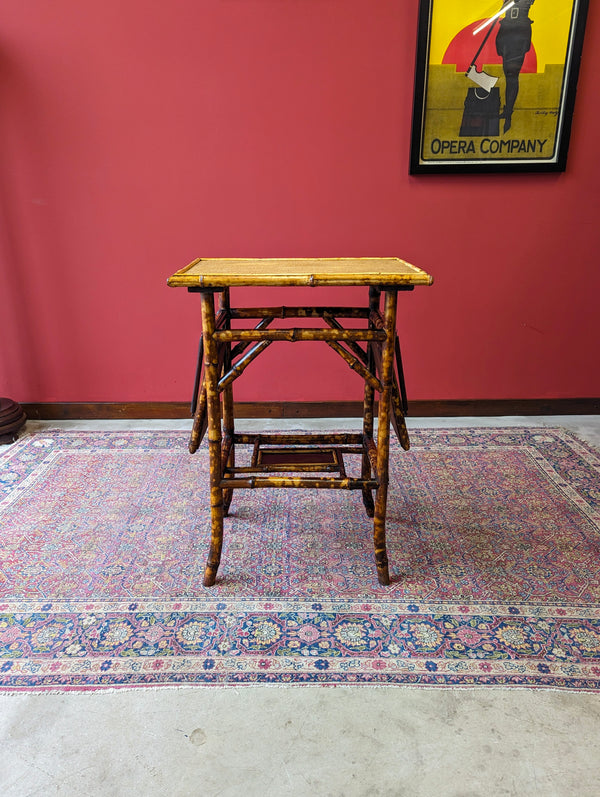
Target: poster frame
{"type": "Point", "coordinates": [556, 162]}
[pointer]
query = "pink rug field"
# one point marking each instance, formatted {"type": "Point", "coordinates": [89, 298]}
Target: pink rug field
{"type": "Point", "coordinates": [493, 539]}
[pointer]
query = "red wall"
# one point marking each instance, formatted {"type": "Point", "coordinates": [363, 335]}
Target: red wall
{"type": "Point", "coordinates": [136, 135]}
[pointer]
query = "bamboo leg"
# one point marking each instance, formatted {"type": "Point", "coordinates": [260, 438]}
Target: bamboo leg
{"type": "Point", "coordinates": [200, 421]}
{"type": "Point", "coordinates": [398, 421]}
{"type": "Point", "coordinates": [402, 384]}
{"type": "Point", "coordinates": [211, 370]}
{"type": "Point", "coordinates": [367, 495]}
{"type": "Point", "coordinates": [228, 420]}
{"type": "Point", "coordinates": [399, 402]}
{"type": "Point", "coordinates": [228, 494]}
{"type": "Point", "coordinates": [369, 397]}
{"type": "Point", "coordinates": [383, 436]}
{"type": "Point", "coordinates": [198, 377]}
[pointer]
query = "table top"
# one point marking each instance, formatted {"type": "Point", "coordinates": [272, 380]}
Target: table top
{"type": "Point", "coordinates": [226, 272]}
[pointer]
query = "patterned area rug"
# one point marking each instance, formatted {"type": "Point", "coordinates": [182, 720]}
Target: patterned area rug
{"type": "Point", "coordinates": [493, 537]}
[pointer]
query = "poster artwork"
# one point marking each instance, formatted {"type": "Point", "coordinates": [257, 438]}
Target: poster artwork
{"type": "Point", "coordinates": [498, 83]}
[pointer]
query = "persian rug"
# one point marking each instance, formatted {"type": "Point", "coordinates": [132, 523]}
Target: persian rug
{"type": "Point", "coordinates": [493, 538]}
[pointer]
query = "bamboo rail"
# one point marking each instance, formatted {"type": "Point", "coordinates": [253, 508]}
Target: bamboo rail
{"type": "Point", "coordinates": [258, 482]}
{"type": "Point", "coordinates": [335, 324]}
{"type": "Point", "coordinates": [239, 368]}
{"type": "Point", "coordinates": [241, 347]}
{"type": "Point", "coordinates": [288, 468]}
{"type": "Point", "coordinates": [356, 365]}
{"type": "Point", "coordinates": [298, 333]}
{"type": "Point", "coordinates": [299, 312]}
{"type": "Point", "coordinates": [339, 438]}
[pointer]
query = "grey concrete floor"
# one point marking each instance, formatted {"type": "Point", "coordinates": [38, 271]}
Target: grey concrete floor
{"type": "Point", "coordinates": [330, 741]}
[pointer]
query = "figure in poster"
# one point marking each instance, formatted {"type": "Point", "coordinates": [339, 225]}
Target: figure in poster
{"type": "Point", "coordinates": [513, 42]}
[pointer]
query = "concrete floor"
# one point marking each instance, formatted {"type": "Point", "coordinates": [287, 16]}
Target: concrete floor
{"type": "Point", "coordinates": [325, 741]}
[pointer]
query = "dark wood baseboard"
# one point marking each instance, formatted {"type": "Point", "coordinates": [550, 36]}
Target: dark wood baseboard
{"type": "Point", "coordinates": [311, 409]}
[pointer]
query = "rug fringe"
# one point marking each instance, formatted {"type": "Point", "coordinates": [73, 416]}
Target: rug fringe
{"type": "Point", "coordinates": [206, 687]}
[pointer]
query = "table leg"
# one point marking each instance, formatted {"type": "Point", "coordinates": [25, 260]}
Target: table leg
{"type": "Point", "coordinates": [369, 398]}
{"type": "Point", "coordinates": [367, 495]}
{"type": "Point", "coordinates": [228, 417]}
{"type": "Point", "coordinates": [383, 436]}
{"type": "Point", "coordinates": [399, 401]}
{"type": "Point", "coordinates": [211, 378]}
{"type": "Point", "coordinates": [200, 421]}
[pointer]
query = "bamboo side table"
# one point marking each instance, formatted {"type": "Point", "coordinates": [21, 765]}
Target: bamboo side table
{"type": "Point", "coordinates": [371, 349]}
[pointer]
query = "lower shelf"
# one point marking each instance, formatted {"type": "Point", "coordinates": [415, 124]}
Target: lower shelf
{"type": "Point", "coordinates": [302, 454]}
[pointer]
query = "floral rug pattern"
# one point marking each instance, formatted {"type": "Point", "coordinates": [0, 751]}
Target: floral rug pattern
{"type": "Point", "coordinates": [493, 538]}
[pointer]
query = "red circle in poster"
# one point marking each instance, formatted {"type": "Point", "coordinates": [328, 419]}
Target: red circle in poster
{"type": "Point", "coordinates": [464, 46]}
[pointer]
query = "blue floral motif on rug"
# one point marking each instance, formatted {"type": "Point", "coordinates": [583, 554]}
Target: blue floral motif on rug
{"type": "Point", "coordinates": [493, 537]}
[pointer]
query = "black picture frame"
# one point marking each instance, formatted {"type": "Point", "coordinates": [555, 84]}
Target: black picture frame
{"type": "Point", "coordinates": [459, 124]}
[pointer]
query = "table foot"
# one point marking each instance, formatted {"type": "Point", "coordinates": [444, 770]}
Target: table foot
{"type": "Point", "coordinates": [213, 560]}
{"type": "Point", "coordinates": [381, 557]}
{"type": "Point", "coordinates": [210, 575]}
{"type": "Point", "coordinates": [216, 546]}
{"type": "Point", "coordinates": [383, 574]}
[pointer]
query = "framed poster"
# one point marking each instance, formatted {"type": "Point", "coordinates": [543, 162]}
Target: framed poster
{"type": "Point", "coordinates": [495, 84]}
